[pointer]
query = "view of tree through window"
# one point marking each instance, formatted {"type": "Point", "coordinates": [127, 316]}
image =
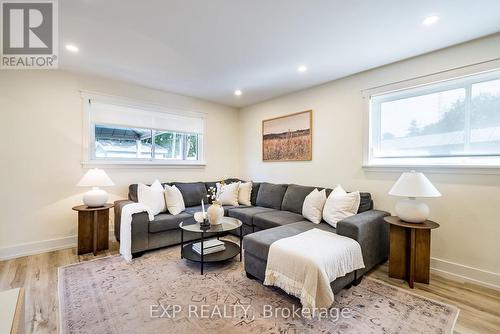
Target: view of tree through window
{"type": "Point", "coordinates": [485, 109]}
{"type": "Point", "coordinates": [464, 121]}
{"type": "Point", "coordinates": [192, 147]}
{"type": "Point", "coordinates": [168, 145]}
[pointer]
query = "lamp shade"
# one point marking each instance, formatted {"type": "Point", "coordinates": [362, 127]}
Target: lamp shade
{"type": "Point", "coordinates": [95, 178]}
{"type": "Point", "coordinates": [414, 184]}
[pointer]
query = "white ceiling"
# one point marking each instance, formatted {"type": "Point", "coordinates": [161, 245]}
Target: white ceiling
{"type": "Point", "coordinates": [209, 48]}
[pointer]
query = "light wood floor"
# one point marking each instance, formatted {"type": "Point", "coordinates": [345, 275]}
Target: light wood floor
{"type": "Point", "coordinates": [479, 307]}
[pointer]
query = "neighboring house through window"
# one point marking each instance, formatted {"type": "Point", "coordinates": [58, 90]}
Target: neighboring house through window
{"type": "Point", "coordinates": [125, 133]}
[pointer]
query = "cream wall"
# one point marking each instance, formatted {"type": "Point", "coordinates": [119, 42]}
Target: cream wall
{"type": "Point", "coordinates": [468, 241]}
{"type": "Point", "coordinates": [41, 124]}
{"type": "Point", "coordinates": [41, 153]}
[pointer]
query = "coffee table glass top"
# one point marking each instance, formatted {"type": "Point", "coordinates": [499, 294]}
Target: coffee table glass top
{"type": "Point", "coordinates": [228, 224]}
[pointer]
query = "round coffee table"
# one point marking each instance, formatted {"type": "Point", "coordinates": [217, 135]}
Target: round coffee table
{"type": "Point", "coordinates": [232, 249]}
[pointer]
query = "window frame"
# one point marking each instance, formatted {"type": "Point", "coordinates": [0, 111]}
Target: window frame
{"type": "Point", "coordinates": [472, 163]}
{"type": "Point", "coordinates": [89, 158]}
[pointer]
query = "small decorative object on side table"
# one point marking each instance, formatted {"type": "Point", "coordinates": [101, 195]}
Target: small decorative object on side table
{"type": "Point", "coordinates": [413, 185]}
{"type": "Point", "coordinates": [231, 249]}
{"type": "Point", "coordinates": [95, 178]}
{"type": "Point", "coordinates": [410, 246]}
{"type": "Point", "coordinates": [93, 228]}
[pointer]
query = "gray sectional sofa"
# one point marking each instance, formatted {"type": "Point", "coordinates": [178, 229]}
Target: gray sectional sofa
{"type": "Point", "coordinates": [275, 214]}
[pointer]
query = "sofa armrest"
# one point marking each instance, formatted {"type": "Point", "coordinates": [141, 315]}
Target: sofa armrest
{"type": "Point", "coordinates": [371, 231]}
{"type": "Point", "coordinates": [118, 215]}
{"type": "Point", "coordinates": [140, 227]}
{"type": "Point", "coordinates": [140, 232]}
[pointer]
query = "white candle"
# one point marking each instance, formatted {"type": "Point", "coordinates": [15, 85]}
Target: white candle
{"type": "Point", "coordinates": [203, 208]}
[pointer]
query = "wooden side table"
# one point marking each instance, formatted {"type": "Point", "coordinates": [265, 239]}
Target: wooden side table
{"type": "Point", "coordinates": [93, 228]}
{"type": "Point", "coordinates": [410, 250]}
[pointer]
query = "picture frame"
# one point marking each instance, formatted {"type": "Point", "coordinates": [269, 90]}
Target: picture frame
{"type": "Point", "coordinates": [287, 137]}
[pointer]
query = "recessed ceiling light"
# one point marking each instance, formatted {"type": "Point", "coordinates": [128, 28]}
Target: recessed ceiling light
{"type": "Point", "coordinates": [302, 68]}
{"type": "Point", "coordinates": [71, 48]}
{"type": "Point", "coordinates": [430, 20]}
{"type": "Point", "coordinates": [238, 92]}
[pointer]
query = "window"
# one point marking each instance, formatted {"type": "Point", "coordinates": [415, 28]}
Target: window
{"type": "Point", "coordinates": [122, 134]}
{"type": "Point", "coordinates": [455, 122]}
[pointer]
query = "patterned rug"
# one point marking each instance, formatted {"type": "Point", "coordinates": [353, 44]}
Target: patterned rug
{"type": "Point", "coordinates": [160, 293]}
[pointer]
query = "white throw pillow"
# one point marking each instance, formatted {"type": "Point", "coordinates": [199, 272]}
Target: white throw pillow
{"type": "Point", "coordinates": [175, 201]}
{"type": "Point", "coordinates": [312, 208]}
{"type": "Point", "coordinates": [340, 205]}
{"type": "Point", "coordinates": [228, 194]}
{"type": "Point", "coordinates": [152, 197]}
{"type": "Point", "coordinates": [245, 193]}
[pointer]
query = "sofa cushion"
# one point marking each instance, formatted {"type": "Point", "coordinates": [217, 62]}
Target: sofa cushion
{"type": "Point", "coordinates": [246, 214]}
{"type": "Point", "coordinates": [294, 198]}
{"type": "Point", "coordinates": [227, 194]}
{"type": "Point", "coordinates": [167, 222]}
{"type": "Point", "coordinates": [214, 184]}
{"type": "Point", "coordinates": [229, 207]}
{"type": "Point", "coordinates": [365, 203]}
{"type": "Point", "coordinates": [258, 243]}
{"type": "Point", "coordinates": [271, 195]}
{"type": "Point", "coordinates": [340, 205]}
{"type": "Point", "coordinates": [255, 191]}
{"type": "Point", "coordinates": [312, 209]}
{"type": "Point", "coordinates": [192, 209]}
{"type": "Point", "coordinates": [275, 218]}
{"type": "Point", "coordinates": [132, 191]}
{"type": "Point", "coordinates": [192, 192]}
{"type": "Point", "coordinates": [245, 193]}
{"type": "Point", "coordinates": [152, 197]}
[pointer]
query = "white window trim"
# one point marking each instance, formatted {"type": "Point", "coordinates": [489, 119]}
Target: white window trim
{"type": "Point", "coordinates": [457, 165]}
{"type": "Point", "coordinates": [87, 150]}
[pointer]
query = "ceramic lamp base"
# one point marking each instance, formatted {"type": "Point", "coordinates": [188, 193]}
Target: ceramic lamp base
{"type": "Point", "coordinates": [95, 198]}
{"type": "Point", "coordinates": [412, 211]}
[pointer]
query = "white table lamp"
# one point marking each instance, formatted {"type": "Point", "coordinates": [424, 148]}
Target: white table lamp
{"type": "Point", "coordinates": [95, 178]}
{"type": "Point", "coordinates": [413, 185]}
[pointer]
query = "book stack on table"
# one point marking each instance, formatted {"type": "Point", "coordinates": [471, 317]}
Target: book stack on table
{"type": "Point", "coordinates": [209, 246]}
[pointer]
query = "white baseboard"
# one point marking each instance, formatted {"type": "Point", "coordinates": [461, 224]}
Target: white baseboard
{"type": "Point", "coordinates": [38, 247]}
{"type": "Point", "coordinates": [462, 273]}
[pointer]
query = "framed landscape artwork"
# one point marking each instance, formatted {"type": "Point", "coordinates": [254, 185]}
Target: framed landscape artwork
{"type": "Point", "coordinates": [287, 138]}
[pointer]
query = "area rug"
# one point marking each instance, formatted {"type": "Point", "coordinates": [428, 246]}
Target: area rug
{"type": "Point", "coordinates": [160, 293]}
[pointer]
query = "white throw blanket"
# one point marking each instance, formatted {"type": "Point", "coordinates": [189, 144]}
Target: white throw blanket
{"type": "Point", "coordinates": [126, 227]}
{"type": "Point", "coordinates": [305, 264]}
